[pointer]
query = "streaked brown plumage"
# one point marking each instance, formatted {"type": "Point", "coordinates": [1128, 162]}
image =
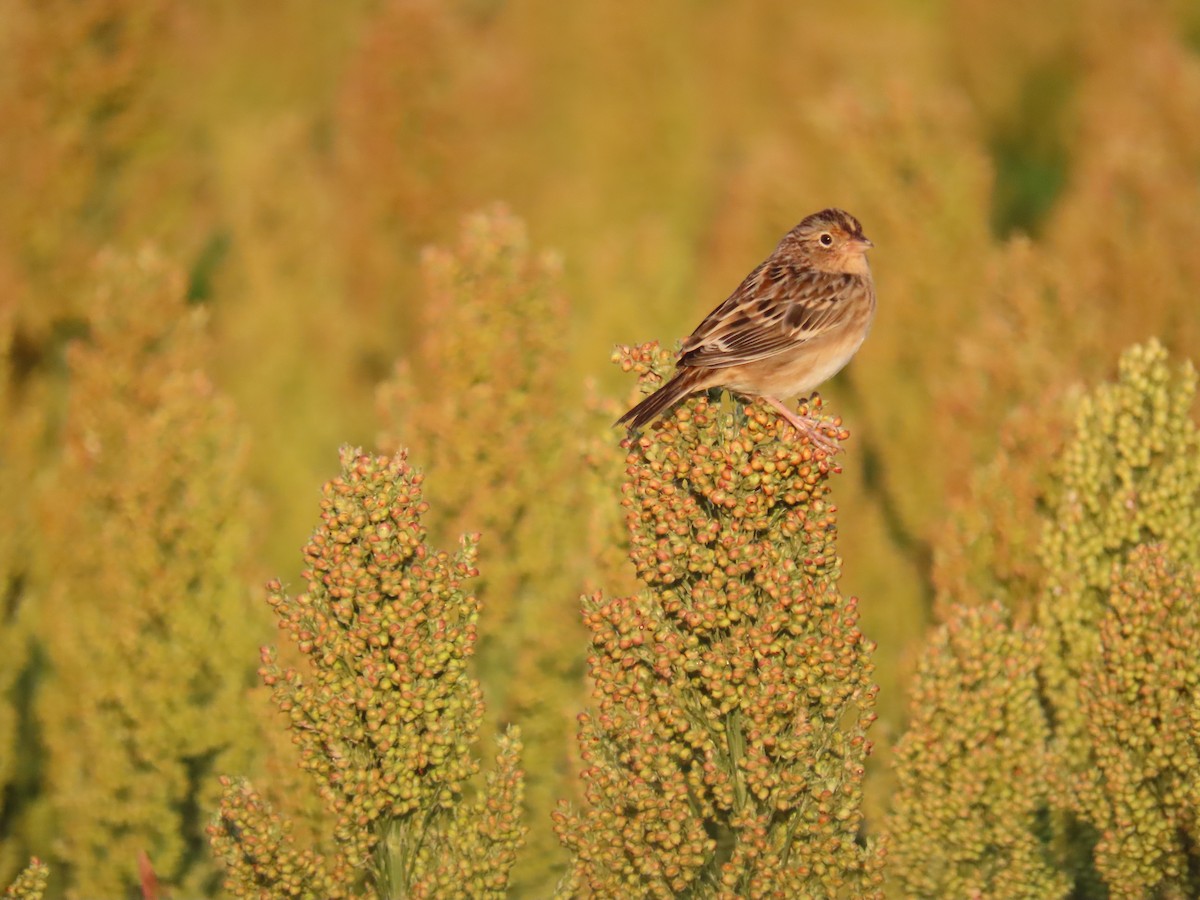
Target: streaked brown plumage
{"type": "Point", "coordinates": [792, 324]}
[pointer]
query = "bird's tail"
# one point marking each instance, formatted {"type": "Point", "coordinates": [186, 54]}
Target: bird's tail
{"type": "Point", "coordinates": [685, 381]}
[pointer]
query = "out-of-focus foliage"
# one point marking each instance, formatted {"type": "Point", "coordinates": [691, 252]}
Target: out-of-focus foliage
{"type": "Point", "coordinates": [99, 150]}
{"type": "Point", "coordinates": [724, 753]}
{"type": "Point", "coordinates": [1027, 172]}
{"type": "Point", "coordinates": [1063, 754]}
{"type": "Point", "coordinates": [384, 713]}
{"type": "Point", "coordinates": [148, 630]}
{"type": "Point", "coordinates": [18, 463]}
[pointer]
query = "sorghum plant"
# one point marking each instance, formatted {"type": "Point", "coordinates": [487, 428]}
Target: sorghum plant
{"type": "Point", "coordinates": [1140, 700]}
{"type": "Point", "coordinates": [977, 739]}
{"type": "Point", "coordinates": [31, 883]}
{"type": "Point", "coordinates": [385, 715]}
{"type": "Point", "coordinates": [482, 404]}
{"type": "Point", "coordinates": [724, 751]}
{"type": "Point", "coordinates": [146, 623]}
{"type": "Point", "coordinates": [1129, 475]}
{"type": "Point", "coordinates": [1063, 755]}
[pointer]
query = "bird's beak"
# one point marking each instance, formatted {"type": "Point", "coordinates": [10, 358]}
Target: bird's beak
{"type": "Point", "coordinates": [863, 241]}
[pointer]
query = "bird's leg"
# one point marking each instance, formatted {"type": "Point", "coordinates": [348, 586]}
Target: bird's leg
{"type": "Point", "coordinates": [806, 426]}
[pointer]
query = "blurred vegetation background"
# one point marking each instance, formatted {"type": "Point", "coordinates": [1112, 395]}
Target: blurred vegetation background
{"type": "Point", "coordinates": [212, 218]}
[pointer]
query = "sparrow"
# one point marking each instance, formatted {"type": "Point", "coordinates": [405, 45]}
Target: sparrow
{"type": "Point", "coordinates": [791, 325]}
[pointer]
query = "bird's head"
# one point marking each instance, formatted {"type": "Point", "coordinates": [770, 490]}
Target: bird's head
{"type": "Point", "coordinates": [831, 240]}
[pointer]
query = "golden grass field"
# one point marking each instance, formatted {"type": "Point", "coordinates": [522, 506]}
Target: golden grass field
{"type": "Point", "coordinates": [216, 223]}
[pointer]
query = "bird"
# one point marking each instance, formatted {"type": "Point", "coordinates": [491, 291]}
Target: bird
{"type": "Point", "coordinates": [791, 325]}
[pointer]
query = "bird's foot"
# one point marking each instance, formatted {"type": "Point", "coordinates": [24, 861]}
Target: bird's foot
{"type": "Point", "coordinates": [809, 427]}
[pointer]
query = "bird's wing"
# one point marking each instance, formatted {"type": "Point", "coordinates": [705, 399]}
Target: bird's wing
{"type": "Point", "coordinates": [774, 309]}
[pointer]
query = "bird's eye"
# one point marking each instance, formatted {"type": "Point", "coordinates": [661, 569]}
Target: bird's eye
{"type": "Point", "coordinates": [826, 239]}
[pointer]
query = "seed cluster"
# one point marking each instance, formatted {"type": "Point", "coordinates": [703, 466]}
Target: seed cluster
{"type": "Point", "coordinates": [385, 714]}
{"type": "Point", "coordinates": [973, 767]}
{"type": "Point", "coordinates": [30, 884]}
{"type": "Point", "coordinates": [1130, 475]}
{"type": "Point", "coordinates": [1060, 759]}
{"type": "Point", "coordinates": [1141, 702]}
{"type": "Point", "coordinates": [727, 739]}
{"type": "Point", "coordinates": [483, 404]}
